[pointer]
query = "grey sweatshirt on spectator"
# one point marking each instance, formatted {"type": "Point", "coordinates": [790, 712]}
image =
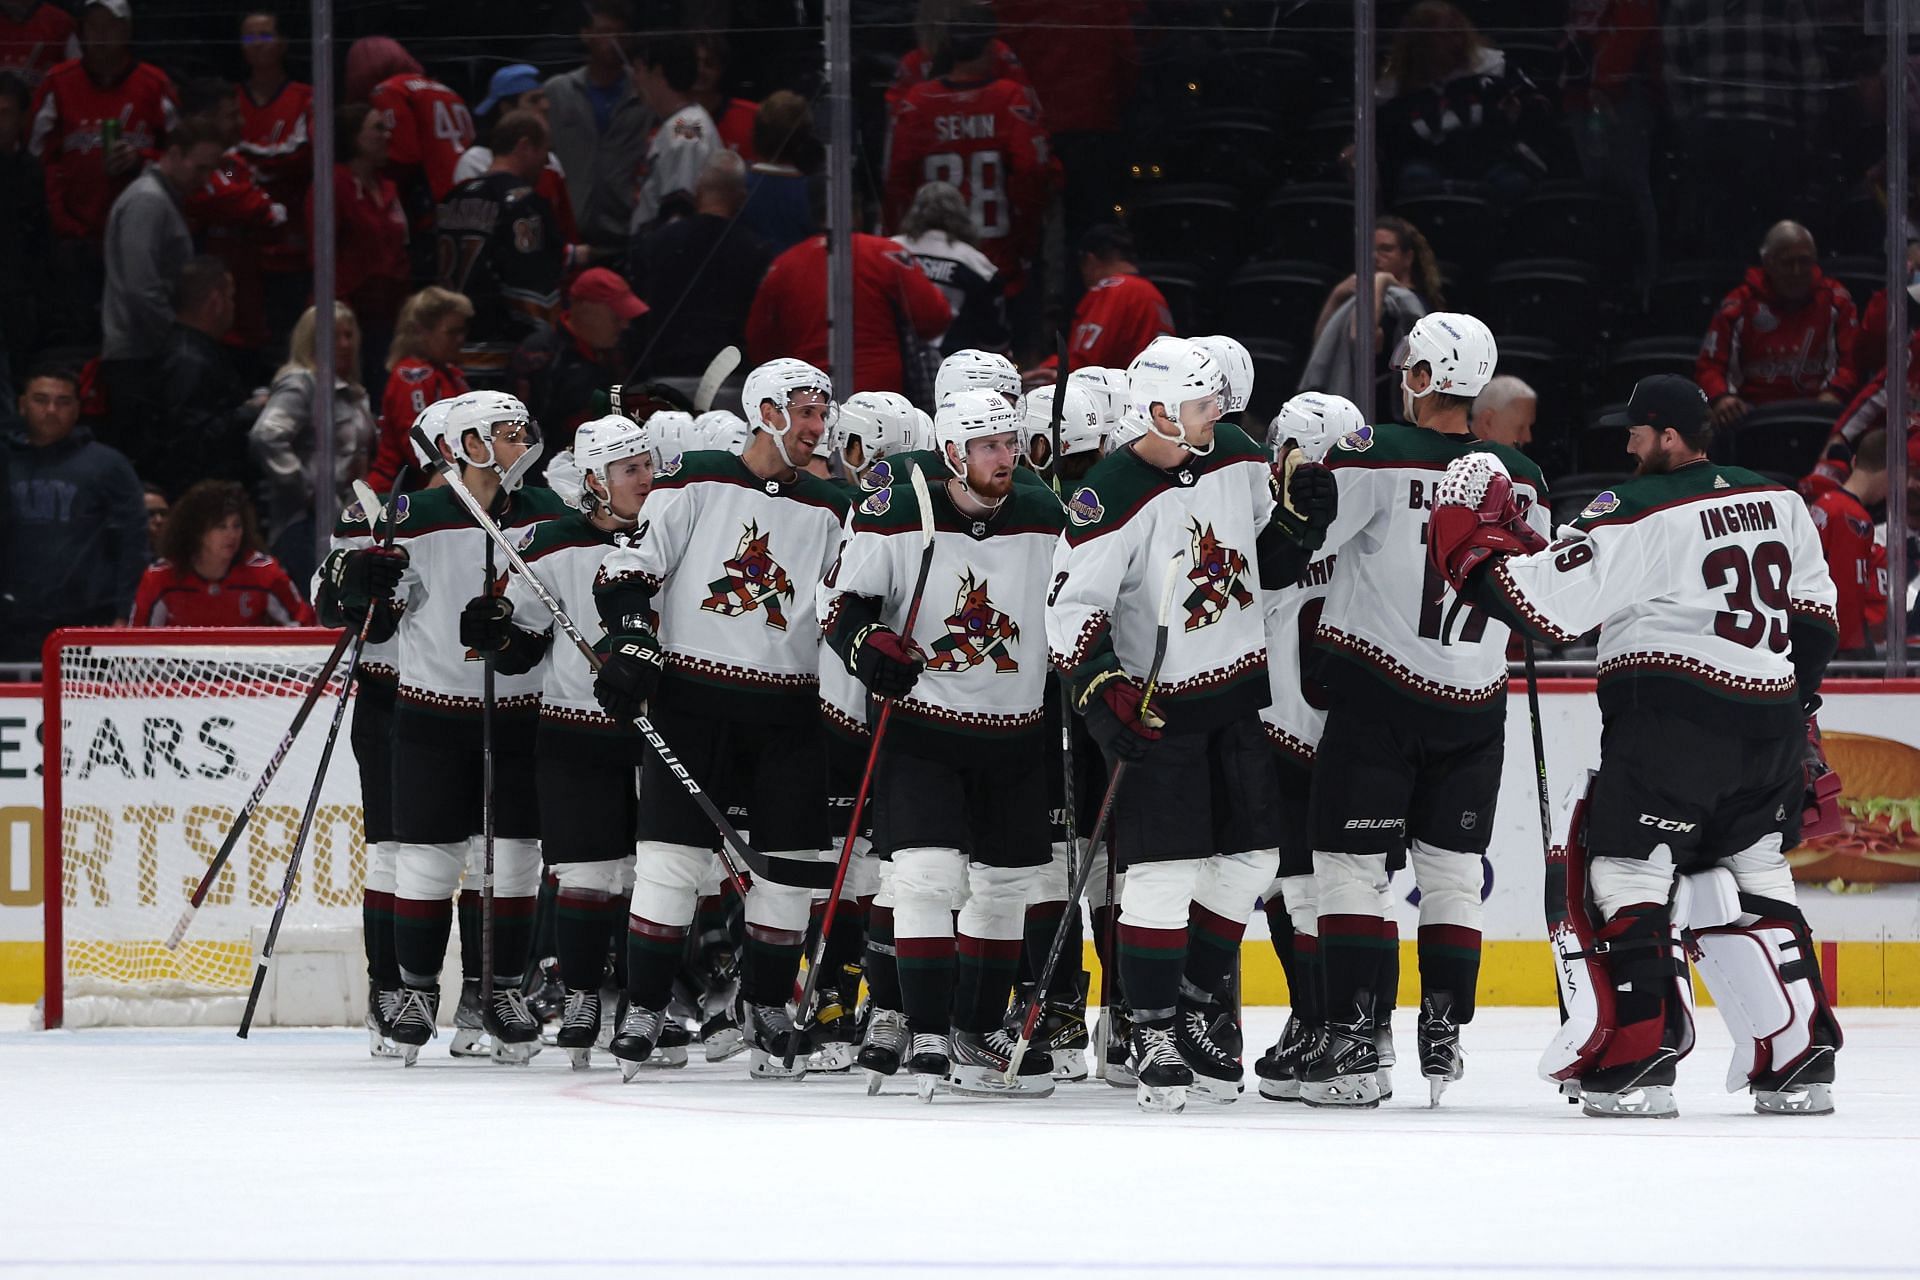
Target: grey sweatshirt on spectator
{"type": "Point", "coordinates": [281, 443]}
{"type": "Point", "coordinates": [77, 536]}
{"type": "Point", "coordinates": [147, 242]}
{"type": "Point", "coordinates": [600, 167]}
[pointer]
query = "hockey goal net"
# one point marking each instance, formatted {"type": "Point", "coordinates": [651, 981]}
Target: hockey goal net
{"type": "Point", "coordinates": [154, 739]}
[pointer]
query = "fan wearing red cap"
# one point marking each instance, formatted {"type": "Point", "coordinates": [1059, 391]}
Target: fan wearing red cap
{"type": "Point", "coordinates": [562, 371]}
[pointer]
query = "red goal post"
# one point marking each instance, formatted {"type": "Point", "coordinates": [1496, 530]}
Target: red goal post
{"type": "Point", "coordinates": [153, 739]}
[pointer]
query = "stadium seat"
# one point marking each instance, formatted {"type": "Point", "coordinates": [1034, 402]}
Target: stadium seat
{"type": "Point", "coordinates": [1568, 220]}
{"type": "Point", "coordinates": [1231, 146]}
{"type": "Point", "coordinates": [1863, 276]}
{"type": "Point", "coordinates": [1312, 221]}
{"type": "Point", "coordinates": [1278, 81]}
{"type": "Point", "coordinates": [1277, 300]}
{"type": "Point", "coordinates": [1276, 376]}
{"type": "Point", "coordinates": [1555, 298]}
{"type": "Point", "coordinates": [1180, 284]}
{"type": "Point", "coordinates": [1784, 437]}
{"type": "Point", "coordinates": [1685, 295]}
{"type": "Point", "coordinates": [1195, 221]}
{"type": "Point", "coordinates": [1632, 361]}
{"type": "Point", "coordinates": [1458, 220]}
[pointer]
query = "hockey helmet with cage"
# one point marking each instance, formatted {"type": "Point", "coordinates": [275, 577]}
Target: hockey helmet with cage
{"type": "Point", "coordinates": [969, 415]}
{"type": "Point", "coordinates": [1456, 347]}
{"type": "Point", "coordinates": [974, 369]}
{"type": "Point", "coordinates": [482, 415]}
{"type": "Point", "coordinates": [1313, 421]}
{"type": "Point", "coordinates": [722, 429]}
{"type": "Point", "coordinates": [1236, 362]}
{"type": "Point", "coordinates": [1081, 426]}
{"type": "Point", "coordinates": [1173, 372]}
{"type": "Point", "coordinates": [885, 421]}
{"type": "Point", "coordinates": [776, 381]}
{"type": "Point", "coordinates": [597, 445]}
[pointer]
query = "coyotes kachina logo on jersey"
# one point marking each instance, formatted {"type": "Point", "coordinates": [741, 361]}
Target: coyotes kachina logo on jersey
{"type": "Point", "coordinates": [976, 632]}
{"type": "Point", "coordinates": [754, 581]}
{"type": "Point", "coordinates": [1218, 577]}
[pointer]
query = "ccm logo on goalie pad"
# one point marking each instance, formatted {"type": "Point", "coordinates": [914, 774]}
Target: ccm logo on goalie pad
{"type": "Point", "coordinates": [1666, 824]}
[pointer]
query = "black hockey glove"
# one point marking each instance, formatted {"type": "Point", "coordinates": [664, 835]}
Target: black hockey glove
{"type": "Point", "coordinates": [1115, 719]}
{"type": "Point", "coordinates": [1305, 501]}
{"type": "Point", "coordinates": [887, 663]}
{"type": "Point", "coordinates": [359, 578]}
{"type": "Point", "coordinates": [486, 624]}
{"type": "Point", "coordinates": [629, 674]}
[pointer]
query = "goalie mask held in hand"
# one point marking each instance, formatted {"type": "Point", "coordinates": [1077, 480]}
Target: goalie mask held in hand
{"type": "Point", "coordinates": [1476, 516]}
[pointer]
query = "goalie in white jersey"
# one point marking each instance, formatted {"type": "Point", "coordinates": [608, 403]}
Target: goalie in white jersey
{"type": "Point", "coordinates": [959, 796]}
{"type": "Point", "coordinates": [1410, 758]}
{"type": "Point", "coordinates": [1716, 618]}
{"type": "Point", "coordinates": [730, 553]}
{"type": "Point", "coordinates": [1196, 825]}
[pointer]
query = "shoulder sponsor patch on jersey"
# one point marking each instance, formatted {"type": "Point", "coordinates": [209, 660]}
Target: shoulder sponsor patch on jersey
{"type": "Point", "coordinates": [879, 476]}
{"type": "Point", "coordinates": [357, 514]}
{"type": "Point", "coordinates": [526, 538]}
{"type": "Point", "coordinates": [671, 467]}
{"type": "Point", "coordinates": [1359, 440]}
{"type": "Point", "coordinates": [878, 502]}
{"type": "Point", "coordinates": [1084, 507]}
{"type": "Point", "coordinates": [1604, 502]}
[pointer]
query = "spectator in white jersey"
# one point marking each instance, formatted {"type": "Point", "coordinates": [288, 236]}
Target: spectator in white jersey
{"type": "Point", "coordinates": [940, 234]}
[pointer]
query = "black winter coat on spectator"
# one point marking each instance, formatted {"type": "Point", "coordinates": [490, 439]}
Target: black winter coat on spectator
{"type": "Point", "coordinates": [561, 381]}
{"type": "Point", "coordinates": [203, 413]}
{"type": "Point", "coordinates": [698, 275]}
{"type": "Point", "coordinates": [77, 540]}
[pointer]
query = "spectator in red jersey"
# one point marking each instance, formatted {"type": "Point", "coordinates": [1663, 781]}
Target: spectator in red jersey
{"type": "Point", "coordinates": [1118, 315]}
{"type": "Point", "coordinates": [232, 216]}
{"type": "Point", "coordinates": [276, 139]}
{"type": "Point", "coordinates": [1865, 413]}
{"type": "Point", "coordinates": [890, 294]}
{"type": "Point", "coordinates": [430, 123]}
{"type": "Point", "coordinates": [282, 438]}
{"type": "Point", "coordinates": [1783, 334]}
{"type": "Point", "coordinates": [212, 572]}
{"type": "Point", "coordinates": [371, 272]}
{"type": "Point", "coordinates": [204, 407]}
{"type": "Point", "coordinates": [34, 36]}
{"type": "Point", "coordinates": [25, 241]}
{"type": "Point", "coordinates": [733, 117]}
{"type": "Point", "coordinates": [1844, 517]}
{"type": "Point", "coordinates": [103, 96]}
{"type": "Point", "coordinates": [517, 88]}
{"type": "Point", "coordinates": [1869, 354]}
{"type": "Point", "coordinates": [423, 366]}
{"type": "Point", "coordinates": [982, 133]}
{"type": "Point", "coordinates": [922, 62]}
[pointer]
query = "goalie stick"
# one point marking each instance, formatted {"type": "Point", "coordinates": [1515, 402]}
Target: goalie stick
{"type": "Point", "coordinates": [319, 778]}
{"type": "Point", "coordinates": [1037, 1000]}
{"type": "Point", "coordinates": [925, 500]}
{"type": "Point", "coordinates": [738, 857]}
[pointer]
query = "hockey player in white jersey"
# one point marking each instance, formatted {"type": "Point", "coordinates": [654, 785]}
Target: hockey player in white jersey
{"type": "Point", "coordinates": [437, 732]}
{"type": "Point", "coordinates": [1410, 757]}
{"type": "Point", "coordinates": [973, 369]}
{"type": "Point", "coordinates": [1196, 825]}
{"type": "Point", "coordinates": [875, 426]}
{"type": "Point", "coordinates": [587, 765]}
{"type": "Point", "coordinates": [1716, 619]}
{"type": "Point", "coordinates": [959, 801]}
{"type": "Point", "coordinates": [1306, 427]}
{"type": "Point", "coordinates": [729, 554]}
{"type": "Point", "coordinates": [1236, 362]}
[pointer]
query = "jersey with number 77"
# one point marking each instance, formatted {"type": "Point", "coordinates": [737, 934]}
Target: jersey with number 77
{"type": "Point", "coordinates": [1709, 588]}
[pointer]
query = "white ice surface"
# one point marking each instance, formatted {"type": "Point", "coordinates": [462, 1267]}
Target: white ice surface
{"type": "Point", "coordinates": [189, 1153]}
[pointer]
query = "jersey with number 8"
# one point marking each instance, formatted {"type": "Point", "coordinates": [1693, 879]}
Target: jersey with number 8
{"type": "Point", "coordinates": [1703, 579]}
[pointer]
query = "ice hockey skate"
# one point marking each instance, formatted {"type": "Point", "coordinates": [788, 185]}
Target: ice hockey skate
{"type": "Point", "coordinates": [830, 1036]}
{"type": "Point", "coordinates": [1441, 1061]}
{"type": "Point", "coordinates": [1347, 1071]}
{"type": "Point", "coordinates": [929, 1060]}
{"type": "Point", "coordinates": [1639, 1090]}
{"type": "Point", "coordinates": [882, 1046]}
{"type": "Point", "coordinates": [469, 1024]}
{"type": "Point", "coordinates": [381, 1004]}
{"type": "Point", "coordinates": [511, 1026]}
{"type": "Point", "coordinates": [1279, 1068]}
{"type": "Point", "coordinates": [1806, 1090]}
{"type": "Point", "coordinates": [1162, 1077]}
{"type": "Point", "coordinates": [579, 1027]}
{"type": "Point", "coordinates": [416, 1014]}
{"type": "Point", "coordinates": [1216, 1069]}
{"type": "Point", "coordinates": [769, 1030]}
{"type": "Point", "coordinates": [633, 1042]}
{"type": "Point", "coordinates": [980, 1063]}
{"type": "Point", "coordinates": [670, 1049]}
{"type": "Point", "coordinates": [1114, 1045]}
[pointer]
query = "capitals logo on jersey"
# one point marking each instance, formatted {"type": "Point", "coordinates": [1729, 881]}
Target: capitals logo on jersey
{"type": "Point", "coordinates": [1218, 577]}
{"type": "Point", "coordinates": [754, 581]}
{"type": "Point", "coordinates": [976, 632]}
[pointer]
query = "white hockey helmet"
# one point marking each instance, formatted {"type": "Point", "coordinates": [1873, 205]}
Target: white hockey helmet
{"type": "Point", "coordinates": [432, 421]}
{"type": "Point", "coordinates": [482, 414]}
{"type": "Point", "coordinates": [885, 421]}
{"type": "Point", "coordinates": [1313, 421]}
{"type": "Point", "coordinates": [673, 433]}
{"type": "Point", "coordinates": [1081, 426]}
{"type": "Point", "coordinates": [969, 415]}
{"type": "Point", "coordinates": [973, 368]}
{"type": "Point", "coordinates": [1173, 372]}
{"type": "Point", "coordinates": [597, 445]}
{"type": "Point", "coordinates": [1458, 349]}
{"type": "Point", "coordinates": [722, 429]}
{"type": "Point", "coordinates": [777, 380]}
{"type": "Point", "coordinates": [1237, 363]}
{"type": "Point", "coordinates": [1108, 388]}
{"type": "Point", "coordinates": [920, 440]}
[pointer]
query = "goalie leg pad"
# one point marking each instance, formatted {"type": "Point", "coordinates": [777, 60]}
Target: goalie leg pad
{"type": "Point", "coordinates": [1230, 883]}
{"type": "Point", "coordinates": [667, 880]}
{"type": "Point", "coordinates": [1764, 976]}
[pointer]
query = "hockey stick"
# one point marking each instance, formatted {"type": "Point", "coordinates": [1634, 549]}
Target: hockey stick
{"type": "Point", "coordinates": [738, 856]}
{"type": "Point", "coordinates": [1037, 999]}
{"type": "Point", "coordinates": [278, 758]}
{"type": "Point", "coordinates": [319, 780]}
{"type": "Point", "coordinates": [817, 959]}
{"type": "Point", "coordinates": [486, 811]}
{"type": "Point", "coordinates": [1539, 751]}
{"type": "Point", "coordinates": [719, 369]}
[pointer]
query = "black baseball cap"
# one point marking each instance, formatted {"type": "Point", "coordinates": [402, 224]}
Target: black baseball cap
{"type": "Point", "coordinates": [1662, 400]}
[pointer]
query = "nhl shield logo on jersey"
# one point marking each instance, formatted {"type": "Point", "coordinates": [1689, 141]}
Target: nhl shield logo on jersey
{"type": "Point", "coordinates": [754, 580]}
{"type": "Point", "coordinates": [976, 632]}
{"type": "Point", "coordinates": [1218, 577]}
{"type": "Point", "coordinates": [1084, 508]}
{"type": "Point", "coordinates": [878, 503]}
{"type": "Point", "coordinates": [1360, 439]}
{"type": "Point", "coordinates": [1604, 502]}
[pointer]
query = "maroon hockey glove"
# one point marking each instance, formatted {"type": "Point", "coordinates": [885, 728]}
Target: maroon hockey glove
{"type": "Point", "coordinates": [1821, 814]}
{"type": "Point", "coordinates": [887, 663]}
{"type": "Point", "coordinates": [628, 676]}
{"type": "Point", "coordinates": [1476, 517]}
{"type": "Point", "coordinates": [1115, 718]}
